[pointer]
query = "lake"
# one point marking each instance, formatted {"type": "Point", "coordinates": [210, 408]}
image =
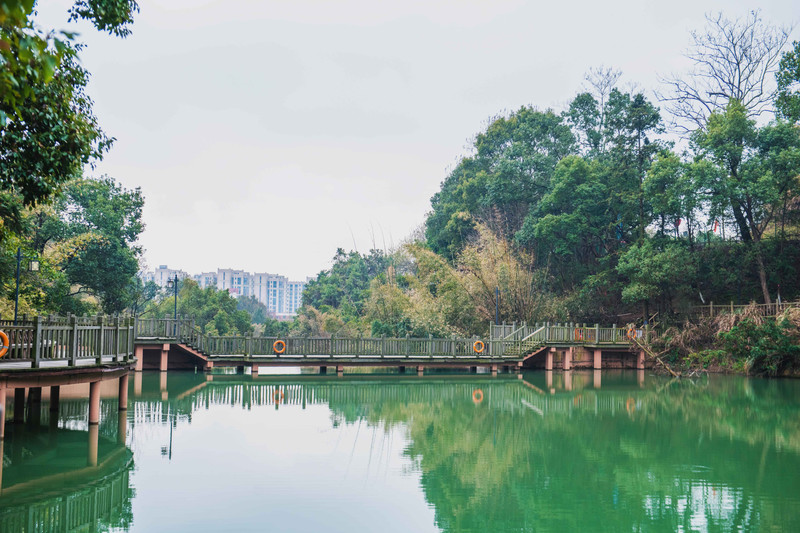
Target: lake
{"type": "Point", "coordinates": [541, 451]}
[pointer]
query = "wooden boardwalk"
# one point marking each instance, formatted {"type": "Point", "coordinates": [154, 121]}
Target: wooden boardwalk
{"type": "Point", "coordinates": [556, 345]}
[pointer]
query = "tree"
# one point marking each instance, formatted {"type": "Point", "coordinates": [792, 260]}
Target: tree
{"type": "Point", "coordinates": [732, 60]}
{"type": "Point", "coordinates": [788, 99]}
{"type": "Point", "coordinates": [30, 56]}
{"type": "Point", "coordinates": [758, 167]}
{"type": "Point", "coordinates": [89, 234]}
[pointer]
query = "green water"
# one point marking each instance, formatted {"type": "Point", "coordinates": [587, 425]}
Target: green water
{"type": "Point", "coordinates": [577, 452]}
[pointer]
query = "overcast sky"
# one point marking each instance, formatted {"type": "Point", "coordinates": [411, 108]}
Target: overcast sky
{"type": "Point", "coordinates": [265, 134]}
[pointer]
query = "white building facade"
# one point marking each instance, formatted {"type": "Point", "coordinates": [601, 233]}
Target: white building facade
{"type": "Point", "coordinates": [281, 296]}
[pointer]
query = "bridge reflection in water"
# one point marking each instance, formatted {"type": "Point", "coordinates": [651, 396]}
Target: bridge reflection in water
{"type": "Point", "coordinates": [65, 480]}
{"type": "Point", "coordinates": [550, 451]}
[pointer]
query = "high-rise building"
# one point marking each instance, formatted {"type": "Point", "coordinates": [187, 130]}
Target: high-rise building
{"type": "Point", "coordinates": [281, 296]}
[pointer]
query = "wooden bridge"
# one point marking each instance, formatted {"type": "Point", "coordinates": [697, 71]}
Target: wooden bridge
{"type": "Point", "coordinates": [165, 344]}
{"type": "Point", "coordinates": [54, 351]}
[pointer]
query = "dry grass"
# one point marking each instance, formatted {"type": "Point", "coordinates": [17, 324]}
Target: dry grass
{"type": "Point", "coordinates": [693, 337]}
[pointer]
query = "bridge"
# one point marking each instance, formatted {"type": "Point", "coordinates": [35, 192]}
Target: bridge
{"type": "Point", "coordinates": [166, 343]}
{"type": "Point", "coordinates": [54, 351]}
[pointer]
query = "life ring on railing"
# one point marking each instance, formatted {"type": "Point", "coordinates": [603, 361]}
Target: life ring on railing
{"type": "Point", "coordinates": [478, 346]}
{"type": "Point", "coordinates": [631, 333]}
{"type": "Point", "coordinates": [477, 396]}
{"type": "Point", "coordinates": [578, 336]}
{"type": "Point", "coordinates": [630, 406]}
{"type": "Point", "coordinates": [6, 345]}
{"type": "Point", "coordinates": [278, 396]}
{"type": "Point", "coordinates": [279, 346]}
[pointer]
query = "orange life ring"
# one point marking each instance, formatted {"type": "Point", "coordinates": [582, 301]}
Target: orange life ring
{"type": "Point", "coordinates": [280, 343]}
{"type": "Point", "coordinates": [630, 405]}
{"type": "Point", "coordinates": [477, 396]}
{"type": "Point", "coordinates": [631, 333]}
{"type": "Point", "coordinates": [277, 396]}
{"type": "Point", "coordinates": [478, 347]}
{"type": "Point", "coordinates": [578, 336]}
{"type": "Point", "coordinates": [6, 345]}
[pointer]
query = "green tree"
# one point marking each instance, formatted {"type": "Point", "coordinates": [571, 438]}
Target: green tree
{"type": "Point", "coordinates": [788, 99]}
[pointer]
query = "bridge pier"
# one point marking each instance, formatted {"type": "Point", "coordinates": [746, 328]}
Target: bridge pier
{"type": "Point", "coordinates": [339, 370]}
{"type": "Point", "coordinates": [254, 370]}
{"type": "Point", "coordinates": [94, 403]}
{"type": "Point", "coordinates": [138, 352]}
{"type": "Point", "coordinates": [640, 360]}
{"type": "Point", "coordinates": [568, 358]}
{"type": "Point", "coordinates": [163, 363]}
{"type": "Point", "coordinates": [34, 405]}
{"type": "Point", "coordinates": [55, 400]}
{"type": "Point", "coordinates": [420, 370]}
{"type": "Point", "coordinates": [494, 370]}
{"type": "Point", "coordinates": [19, 405]}
{"type": "Point", "coordinates": [123, 393]}
{"type": "Point", "coordinates": [598, 359]}
{"type": "Point", "coordinates": [548, 362]}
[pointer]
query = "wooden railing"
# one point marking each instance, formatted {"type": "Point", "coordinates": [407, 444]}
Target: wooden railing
{"type": "Point", "coordinates": [712, 309]}
{"type": "Point", "coordinates": [513, 345]}
{"type": "Point", "coordinates": [70, 338]}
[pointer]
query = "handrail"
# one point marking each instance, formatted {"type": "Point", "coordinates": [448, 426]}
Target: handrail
{"type": "Point", "coordinates": [69, 339]}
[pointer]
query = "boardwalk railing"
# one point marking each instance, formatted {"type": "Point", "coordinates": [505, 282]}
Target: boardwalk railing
{"type": "Point", "coordinates": [514, 343]}
{"type": "Point", "coordinates": [69, 339]}
{"type": "Point", "coordinates": [712, 309]}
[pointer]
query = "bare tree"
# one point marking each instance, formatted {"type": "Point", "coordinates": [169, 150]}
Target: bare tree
{"type": "Point", "coordinates": [731, 59]}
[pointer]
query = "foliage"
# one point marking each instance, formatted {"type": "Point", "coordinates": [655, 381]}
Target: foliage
{"type": "Point", "coordinates": [214, 312]}
{"type": "Point", "coordinates": [768, 347]}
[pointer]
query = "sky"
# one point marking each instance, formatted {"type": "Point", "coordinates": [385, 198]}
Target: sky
{"type": "Point", "coordinates": [264, 135]}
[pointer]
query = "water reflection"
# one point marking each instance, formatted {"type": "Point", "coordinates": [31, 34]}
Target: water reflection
{"type": "Point", "coordinates": [63, 480]}
{"type": "Point", "coordinates": [545, 451]}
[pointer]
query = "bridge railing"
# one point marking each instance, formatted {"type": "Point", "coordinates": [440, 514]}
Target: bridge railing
{"type": "Point", "coordinates": [70, 338]}
{"type": "Point", "coordinates": [712, 309]}
{"type": "Point", "coordinates": [183, 330]}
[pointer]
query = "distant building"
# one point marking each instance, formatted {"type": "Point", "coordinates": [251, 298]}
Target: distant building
{"type": "Point", "coordinates": [162, 274]}
{"type": "Point", "coordinates": [281, 296]}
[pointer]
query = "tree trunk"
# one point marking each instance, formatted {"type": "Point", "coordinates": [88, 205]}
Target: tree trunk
{"type": "Point", "coordinates": [762, 273]}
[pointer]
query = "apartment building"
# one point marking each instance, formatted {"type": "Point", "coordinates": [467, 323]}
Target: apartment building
{"type": "Point", "coordinates": [281, 296]}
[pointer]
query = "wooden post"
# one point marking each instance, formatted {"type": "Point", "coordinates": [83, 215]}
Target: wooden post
{"type": "Point", "coordinates": [117, 349]}
{"type": "Point", "coordinates": [597, 333]}
{"type": "Point", "coordinates": [711, 308]}
{"type": "Point", "coordinates": [430, 345]}
{"type": "Point", "coordinates": [94, 402]}
{"type": "Point", "coordinates": [100, 339]}
{"type": "Point", "coordinates": [123, 393]}
{"type": "Point", "coordinates": [408, 345]}
{"type": "Point", "coordinates": [37, 342]}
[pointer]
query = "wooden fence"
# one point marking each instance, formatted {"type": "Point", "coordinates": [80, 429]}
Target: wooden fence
{"type": "Point", "coordinates": [712, 309]}
{"type": "Point", "coordinates": [69, 339]}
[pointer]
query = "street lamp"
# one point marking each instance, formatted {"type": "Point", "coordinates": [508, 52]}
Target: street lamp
{"type": "Point", "coordinates": [173, 283]}
{"type": "Point", "coordinates": [33, 266]}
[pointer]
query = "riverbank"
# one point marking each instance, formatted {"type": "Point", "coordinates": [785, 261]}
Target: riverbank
{"type": "Point", "coordinates": [744, 343]}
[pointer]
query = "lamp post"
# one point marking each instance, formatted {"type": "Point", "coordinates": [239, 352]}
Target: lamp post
{"type": "Point", "coordinates": [33, 266]}
{"type": "Point", "coordinates": [173, 282]}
